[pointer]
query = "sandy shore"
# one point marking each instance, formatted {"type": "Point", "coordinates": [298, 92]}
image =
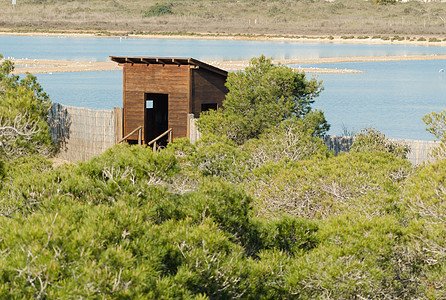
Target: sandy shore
{"type": "Point", "coordinates": [53, 66]}
{"type": "Point", "coordinates": [36, 66]}
{"type": "Point", "coordinates": [23, 66]}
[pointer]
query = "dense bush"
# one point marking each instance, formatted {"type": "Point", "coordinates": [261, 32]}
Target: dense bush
{"type": "Point", "coordinates": [321, 188]}
{"type": "Point", "coordinates": [111, 226]}
{"type": "Point", "coordinates": [261, 97]}
{"type": "Point", "coordinates": [385, 2]}
{"type": "Point", "coordinates": [436, 125]}
{"type": "Point", "coordinates": [158, 10]}
{"type": "Point", "coordinates": [132, 223]}
{"type": "Point", "coordinates": [370, 139]}
{"type": "Point", "coordinates": [24, 108]}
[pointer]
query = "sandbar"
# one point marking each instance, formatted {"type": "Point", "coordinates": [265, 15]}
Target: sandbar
{"type": "Point", "coordinates": [36, 66]}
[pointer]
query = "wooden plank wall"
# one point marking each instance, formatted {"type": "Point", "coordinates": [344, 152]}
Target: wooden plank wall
{"type": "Point", "coordinates": [157, 79]}
{"type": "Point", "coordinates": [207, 87]}
{"type": "Point", "coordinates": [83, 133]}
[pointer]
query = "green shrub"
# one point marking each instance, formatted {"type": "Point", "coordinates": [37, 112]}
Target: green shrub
{"type": "Point", "coordinates": [370, 139]}
{"type": "Point", "coordinates": [424, 194]}
{"type": "Point", "coordinates": [121, 169]}
{"type": "Point", "coordinates": [320, 188]}
{"type": "Point", "coordinates": [275, 93]}
{"type": "Point", "coordinates": [292, 140]}
{"type": "Point", "coordinates": [357, 256]}
{"type": "Point", "coordinates": [434, 40]}
{"type": "Point", "coordinates": [27, 181]}
{"type": "Point", "coordinates": [219, 156]}
{"type": "Point", "coordinates": [2, 171]}
{"type": "Point", "coordinates": [385, 2]}
{"type": "Point", "coordinates": [436, 125]}
{"type": "Point", "coordinates": [24, 109]}
{"type": "Point", "coordinates": [158, 10]}
{"type": "Point", "coordinates": [291, 235]}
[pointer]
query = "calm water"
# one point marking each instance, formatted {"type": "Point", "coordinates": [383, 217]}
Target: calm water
{"type": "Point", "coordinates": [99, 49]}
{"type": "Point", "coordinates": [390, 96]}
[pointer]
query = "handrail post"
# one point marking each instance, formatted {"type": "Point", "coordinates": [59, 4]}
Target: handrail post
{"type": "Point", "coordinates": [139, 136]}
{"type": "Point", "coordinates": [131, 133]}
{"type": "Point", "coordinates": [154, 141]}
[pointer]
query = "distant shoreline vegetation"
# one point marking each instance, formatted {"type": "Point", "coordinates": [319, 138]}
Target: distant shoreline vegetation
{"type": "Point", "coordinates": [288, 17]}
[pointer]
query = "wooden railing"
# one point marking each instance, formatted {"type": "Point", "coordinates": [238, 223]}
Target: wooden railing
{"type": "Point", "coordinates": [169, 139]}
{"type": "Point", "coordinates": [139, 129]}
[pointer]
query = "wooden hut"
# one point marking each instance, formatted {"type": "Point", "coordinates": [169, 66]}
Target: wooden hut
{"type": "Point", "coordinates": [160, 92]}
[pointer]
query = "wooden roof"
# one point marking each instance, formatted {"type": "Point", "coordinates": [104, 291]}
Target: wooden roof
{"type": "Point", "coordinates": [168, 61]}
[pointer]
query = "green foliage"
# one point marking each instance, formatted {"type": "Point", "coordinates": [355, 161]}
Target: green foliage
{"type": "Point", "coordinates": [370, 139]}
{"type": "Point", "coordinates": [319, 188]}
{"type": "Point", "coordinates": [24, 115]}
{"type": "Point", "coordinates": [2, 173]}
{"type": "Point", "coordinates": [425, 192]}
{"type": "Point", "coordinates": [259, 98]}
{"type": "Point", "coordinates": [298, 223]}
{"type": "Point", "coordinates": [292, 140]}
{"type": "Point", "coordinates": [385, 2]}
{"type": "Point", "coordinates": [122, 233]}
{"type": "Point", "coordinates": [158, 10]}
{"type": "Point", "coordinates": [289, 234]}
{"type": "Point", "coordinates": [132, 223]}
{"type": "Point", "coordinates": [219, 156]}
{"type": "Point", "coordinates": [436, 124]}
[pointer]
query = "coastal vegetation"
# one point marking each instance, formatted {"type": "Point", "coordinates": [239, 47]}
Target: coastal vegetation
{"type": "Point", "coordinates": [24, 108]}
{"type": "Point", "coordinates": [412, 20]}
{"type": "Point", "coordinates": [273, 215]}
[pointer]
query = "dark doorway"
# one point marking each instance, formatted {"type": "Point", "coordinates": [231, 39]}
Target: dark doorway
{"type": "Point", "coordinates": [156, 121]}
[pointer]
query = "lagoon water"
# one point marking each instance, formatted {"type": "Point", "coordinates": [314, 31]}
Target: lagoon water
{"type": "Point", "coordinates": [390, 96]}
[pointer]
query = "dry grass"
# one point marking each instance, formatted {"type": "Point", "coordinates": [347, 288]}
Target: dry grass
{"type": "Point", "coordinates": [279, 17]}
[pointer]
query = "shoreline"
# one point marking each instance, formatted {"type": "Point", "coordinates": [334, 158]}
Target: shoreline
{"type": "Point", "coordinates": [45, 66]}
{"type": "Point", "coordinates": [39, 66]}
{"type": "Point", "coordinates": [217, 36]}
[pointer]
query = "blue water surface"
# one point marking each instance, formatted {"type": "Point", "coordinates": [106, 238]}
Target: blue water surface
{"type": "Point", "coordinates": [99, 49]}
{"type": "Point", "coordinates": [390, 96]}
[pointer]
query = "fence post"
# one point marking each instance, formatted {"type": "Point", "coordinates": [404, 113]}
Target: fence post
{"type": "Point", "coordinates": [117, 116]}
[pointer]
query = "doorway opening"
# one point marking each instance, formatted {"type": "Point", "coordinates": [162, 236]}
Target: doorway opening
{"type": "Point", "coordinates": [156, 116]}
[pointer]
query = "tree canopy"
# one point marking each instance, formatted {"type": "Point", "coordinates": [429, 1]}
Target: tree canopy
{"type": "Point", "coordinates": [24, 109]}
{"type": "Point", "coordinates": [261, 97]}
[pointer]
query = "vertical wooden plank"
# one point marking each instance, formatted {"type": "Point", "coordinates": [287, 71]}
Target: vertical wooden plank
{"type": "Point", "coordinates": [124, 100]}
{"type": "Point", "coordinates": [189, 117]}
{"type": "Point", "coordinates": [191, 81]}
{"type": "Point", "coordinates": [118, 128]}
